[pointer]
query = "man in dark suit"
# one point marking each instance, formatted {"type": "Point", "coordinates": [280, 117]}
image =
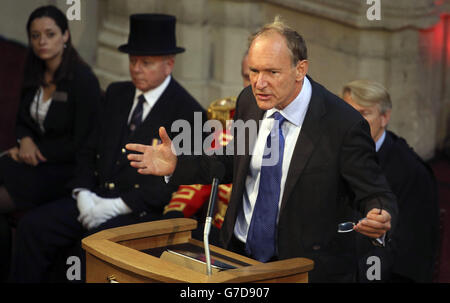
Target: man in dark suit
{"type": "Point", "coordinates": [289, 204]}
{"type": "Point", "coordinates": [106, 191]}
{"type": "Point", "coordinates": [414, 243]}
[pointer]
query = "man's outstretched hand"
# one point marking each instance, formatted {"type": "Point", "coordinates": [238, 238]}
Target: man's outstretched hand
{"type": "Point", "coordinates": [157, 160]}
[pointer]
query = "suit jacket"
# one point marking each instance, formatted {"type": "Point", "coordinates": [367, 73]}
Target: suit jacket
{"type": "Point", "coordinates": [69, 118]}
{"type": "Point", "coordinates": [103, 166]}
{"type": "Point", "coordinates": [334, 162]}
{"type": "Point", "coordinates": [412, 181]}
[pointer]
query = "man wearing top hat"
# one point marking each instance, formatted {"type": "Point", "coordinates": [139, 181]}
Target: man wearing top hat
{"type": "Point", "coordinates": [106, 191]}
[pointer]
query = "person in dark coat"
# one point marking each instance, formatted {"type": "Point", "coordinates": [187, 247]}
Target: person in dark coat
{"type": "Point", "coordinates": [290, 208]}
{"type": "Point", "coordinates": [412, 254]}
{"type": "Point", "coordinates": [106, 191]}
{"type": "Point", "coordinates": [60, 96]}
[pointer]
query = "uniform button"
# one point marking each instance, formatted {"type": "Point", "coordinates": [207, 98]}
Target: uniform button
{"type": "Point", "coordinates": [316, 247]}
{"type": "Point", "coordinates": [98, 156]}
{"type": "Point", "coordinates": [117, 162]}
{"type": "Point", "coordinates": [111, 186]}
{"type": "Point", "coordinates": [136, 186]}
{"type": "Point", "coordinates": [95, 173]}
{"type": "Point", "coordinates": [142, 214]}
{"type": "Point", "coordinates": [124, 151]}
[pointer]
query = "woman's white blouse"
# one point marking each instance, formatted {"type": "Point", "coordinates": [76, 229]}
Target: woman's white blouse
{"type": "Point", "coordinates": [39, 108]}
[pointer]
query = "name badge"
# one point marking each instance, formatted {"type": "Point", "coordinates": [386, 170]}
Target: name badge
{"type": "Point", "coordinates": [59, 96]}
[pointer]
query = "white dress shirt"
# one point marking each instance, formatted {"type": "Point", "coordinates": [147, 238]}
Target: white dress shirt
{"type": "Point", "coordinates": [295, 114]}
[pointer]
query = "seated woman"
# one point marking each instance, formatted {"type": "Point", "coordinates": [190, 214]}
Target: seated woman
{"type": "Point", "coordinates": [59, 100]}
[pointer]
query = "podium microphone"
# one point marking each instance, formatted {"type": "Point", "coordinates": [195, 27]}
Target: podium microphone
{"type": "Point", "coordinates": [217, 173]}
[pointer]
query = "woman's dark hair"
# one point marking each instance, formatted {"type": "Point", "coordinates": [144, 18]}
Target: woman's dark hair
{"type": "Point", "coordinates": [35, 67]}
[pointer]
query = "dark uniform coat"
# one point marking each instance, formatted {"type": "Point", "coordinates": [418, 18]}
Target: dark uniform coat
{"type": "Point", "coordinates": [104, 167]}
{"type": "Point", "coordinates": [413, 182]}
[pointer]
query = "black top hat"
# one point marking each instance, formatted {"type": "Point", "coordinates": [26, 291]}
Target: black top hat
{"type": "Point", "coordinates": [151, 35]}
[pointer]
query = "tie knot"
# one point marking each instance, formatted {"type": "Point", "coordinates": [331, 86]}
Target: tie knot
{"type": "Point", "coordinates": [279, 117]}
{"type": "Point", "coordinates": [141, 99]}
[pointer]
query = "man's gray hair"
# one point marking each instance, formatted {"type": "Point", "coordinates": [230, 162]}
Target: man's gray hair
{"type": "Point", "coordinates": [295, 42]}
{"type": "Point", "coordinates": [369, 93]}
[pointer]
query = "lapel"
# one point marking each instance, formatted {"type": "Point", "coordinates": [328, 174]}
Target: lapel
{"type": "Point", "coordinates": [383, 152]}
{"type": "Point", "coordinates": [118, 121]}
{"type": "Point", "coordinates": [25, 109]}
{"type": "Point", "coordinates": [247, 109]}
{"type": "Point", "coordinates": [307, 140]}
{"type": "Point", "coordinates": [57, 109]}
{"type": "Point", "coordinates": [242, 163]}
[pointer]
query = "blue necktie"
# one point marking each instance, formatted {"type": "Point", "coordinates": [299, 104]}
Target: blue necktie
{"type": "Point", "coordinates": [136, 117]}
{"type": "Point", "coordinates": [261, 237]}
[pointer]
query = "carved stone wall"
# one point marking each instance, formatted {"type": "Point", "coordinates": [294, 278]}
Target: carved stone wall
{"type": "Point", "coordinates": [407, 50]}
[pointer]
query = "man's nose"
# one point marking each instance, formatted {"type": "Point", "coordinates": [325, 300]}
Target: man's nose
{"type": "Point", "coordinates": [261, 81]}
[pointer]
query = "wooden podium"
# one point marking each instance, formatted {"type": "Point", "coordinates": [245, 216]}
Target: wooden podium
{"type": "Point", "coordinates": [138, 253]}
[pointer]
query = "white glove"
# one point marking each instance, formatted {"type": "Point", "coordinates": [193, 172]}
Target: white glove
{"type": "Point", "coordinates": [104, 209]}
{"type": "Point", "coordinates": [85, 201]}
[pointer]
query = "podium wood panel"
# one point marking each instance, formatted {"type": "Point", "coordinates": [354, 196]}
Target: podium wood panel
{"type": "Point", "coordinates": [115, 255]}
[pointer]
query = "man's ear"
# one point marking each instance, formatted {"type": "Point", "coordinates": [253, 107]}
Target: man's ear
{"type": "Point", "coordinates": [385, 118]}
{"type": "Point", "coordinates": [301, 69]}
{"type": "Point", "coordinates": [169, 64]}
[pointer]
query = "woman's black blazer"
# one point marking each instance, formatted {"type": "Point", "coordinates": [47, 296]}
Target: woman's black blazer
{"type": "Point", "coordinates": [70, 117]}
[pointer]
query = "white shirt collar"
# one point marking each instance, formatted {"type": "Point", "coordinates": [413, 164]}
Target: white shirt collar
{"type": "Point", "coordinates": [296, 110]}
{"type": "Point", "coordinates": [153, 95]}
{"type": "Point", "coordinates": [380, 141]}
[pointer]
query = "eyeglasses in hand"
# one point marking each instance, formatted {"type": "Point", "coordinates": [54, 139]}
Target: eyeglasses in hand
{"type": "Point", "coordinates": [346, 227]}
